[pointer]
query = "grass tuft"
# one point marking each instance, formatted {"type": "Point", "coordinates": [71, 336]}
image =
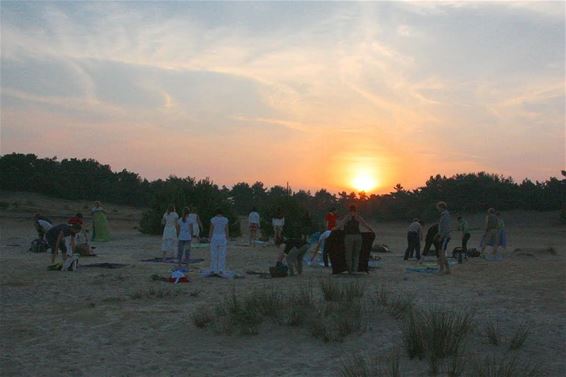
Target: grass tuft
{"type": "Point", "coordinates": [506, 367]}
{"type": "Point", "coordinates": [520, 336]}
{"type": "Point", "coordinates": [492, 333]}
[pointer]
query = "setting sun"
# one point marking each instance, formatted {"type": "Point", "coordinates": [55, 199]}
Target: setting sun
{"type": "Point", "coordinates": [364, 181]}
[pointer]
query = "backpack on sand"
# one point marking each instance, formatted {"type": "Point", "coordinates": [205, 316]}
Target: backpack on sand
{"type": "Point", "coordinates": [38, 246]}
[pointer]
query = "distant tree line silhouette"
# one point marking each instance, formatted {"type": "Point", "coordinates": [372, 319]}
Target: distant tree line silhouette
{"type": "Point", "coordinates": [88, 179]}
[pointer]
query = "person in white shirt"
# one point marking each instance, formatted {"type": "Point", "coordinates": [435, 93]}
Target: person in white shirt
{"type": "Point", "coordinates": [414, 238]}
{"type": "Point", "coordinates": [197, 224]}
{"type": "Point", "coordinates": [278, 222]}
{"type": "Point", "coordinates": [184, 235]}
{"type": "Point", "coordinates": [218, 236]}
{"type": "Point", "coordinates": [253, 220]}
{"type": "Point", "coordinates": [169, 231]}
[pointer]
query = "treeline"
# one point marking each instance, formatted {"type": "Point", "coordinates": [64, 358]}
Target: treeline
{"type": "Point", "coordinates": [303, 210]}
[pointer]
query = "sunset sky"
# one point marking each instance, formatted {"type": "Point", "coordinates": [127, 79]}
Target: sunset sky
{"type": "Point", "coordinates": [317, 94]}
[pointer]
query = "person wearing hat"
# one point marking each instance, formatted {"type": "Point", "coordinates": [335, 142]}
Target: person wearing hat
{"type": "Point", "coordinates": [62, 237]}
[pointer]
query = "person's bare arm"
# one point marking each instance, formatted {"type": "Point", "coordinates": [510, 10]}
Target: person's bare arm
{"type": "Point", "coordinates": [315, 251]}
{"type": "Point", "coordinates": [199, 222]}
{"type": "Point", "coordinates": [178, 229]}
{"type": "Point", "coordinates": [210, 231]}
{"type": "Point", "coordinates": [365, 224]}
{"type": "Point", "coordinates": [227, 230]}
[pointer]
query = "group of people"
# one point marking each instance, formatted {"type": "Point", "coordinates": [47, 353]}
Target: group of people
{"type": "Point", "coordinates": [439, 235]}
{"type": "Point", "coordinates": [72, 236]}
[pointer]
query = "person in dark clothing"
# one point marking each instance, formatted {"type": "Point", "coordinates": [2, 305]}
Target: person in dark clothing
{"type": "Point", "coordinates": [351, 224]}
{"type": "Point", "coordinates": [414, 238]}
{"type": "Point", "coordinates": [57, 237]}
{"type": "Point", "coordinates": [294, 250]}
{"type": "Point", "coordinates": [465, 229]}
{"type": "Point", "coordinates": [431, 239]}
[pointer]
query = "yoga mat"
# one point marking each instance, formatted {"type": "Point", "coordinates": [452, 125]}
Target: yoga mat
{"type": "Point", "coordinates": [104, 265]}
{"type": "Point", "coordinates": [170, 260]}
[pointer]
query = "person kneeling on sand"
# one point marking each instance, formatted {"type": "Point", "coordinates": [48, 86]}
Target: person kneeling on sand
{"type": "Point", "coordinates": [293, 250]}
{"type": "Point", "coordinates": [62, 237]}
{"type": "Point", "coordinates": [443, 236]}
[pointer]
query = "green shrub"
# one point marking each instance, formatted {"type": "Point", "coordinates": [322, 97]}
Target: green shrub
{"type": "Point", "coordinates": [332, 290]}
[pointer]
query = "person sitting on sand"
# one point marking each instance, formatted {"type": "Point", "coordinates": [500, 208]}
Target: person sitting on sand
{"type": "Point", "coordinates": [352, 237]}
{"type": "Point", "coordinates": [293, 250]}
{"type": "Point", "coordinates": [443, 237]}
{"type": "Point", "coordinates": [254, 225]}
{"type": "Point", "coordinates": [218, 236]}
{"type": "Point", "coordinates": [62, 237]}
{"type": "Point", "coordinates": [184, 234]}
{"type": "Point", "coordinates": [99, 223]}
{"type": "Point", "coordinates": [42, 224]}
{"type": "Point", "coordinates": [320, 245]}
{"type": "Point", "coordinates": [414, 238]}
{"type": "Point", "coordinates": [490, 237]}
{"type": "Point", "coordinates": [169, 237]}
{"type": "Point", "coordinates": [197, 224]}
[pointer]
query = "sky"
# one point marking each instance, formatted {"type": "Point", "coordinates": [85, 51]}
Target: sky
{"type": "Point", "coordinates": [336, 95]}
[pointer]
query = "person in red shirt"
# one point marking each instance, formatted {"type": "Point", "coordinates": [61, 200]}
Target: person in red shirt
{"type": "Point", "coordinates": [330, 219]}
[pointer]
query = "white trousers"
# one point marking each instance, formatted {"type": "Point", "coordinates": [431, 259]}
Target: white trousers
{"type": "Point", "coordinates": [218, 254]}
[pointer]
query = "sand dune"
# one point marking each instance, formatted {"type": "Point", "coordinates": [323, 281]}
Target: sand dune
{"type": "Point", "coordinates": [89, 323]}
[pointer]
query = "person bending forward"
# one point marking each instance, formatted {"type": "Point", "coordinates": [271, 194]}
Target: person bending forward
{"type": "Point", "coordinates": [218, 236]}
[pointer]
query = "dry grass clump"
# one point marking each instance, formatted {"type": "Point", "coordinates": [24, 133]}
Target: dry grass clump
{"type": "Point", "coordinates": [505, 367]}
{"type": "Point", "coordinates": [155, 293]}
{"type": "Point", "coordinates": [492, 333]}
{"type": "Point", "coordinates": [436, 334]}
{"type": "Point", "coordinates": [520, 336]}
{"type": "Point", "coordinates": [332, 290]}
{"type": "Point", "coordinates": [362, 365]}
{"type": "Point", "coordinates": [327, 320]}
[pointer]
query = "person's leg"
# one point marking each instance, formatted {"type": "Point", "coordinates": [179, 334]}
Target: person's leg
{"type": "Point", "coordinates": [348, 249]}
{"type": "Point", "coordinates": [213, 256]}
{"type": "Point", "coordinates": [300, 256]}
{"type": "Point", "coordinates": [442, 253]}
{"type": "Point", "coordinates": [325, 257]}
{"type": "Point", "coordinates": [188, 246]}
{"type": "Point", "coordinates": [408, 249]}
{"type": "Point", "coordinates": [356, 251]}
{"type": "Point", "coordinates": [180, 251]}
{"type": "Point", "coordinates": [222, 256]}
{"type": "Point", "coordinates": [495, 241]}
{"type": "Point", "coordinates": [418, 247]}
{"type": "Point", "coordinates": [292, 260]}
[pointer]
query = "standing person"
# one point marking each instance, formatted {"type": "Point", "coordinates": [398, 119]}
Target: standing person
{"type": "Point", "coordinates": [414, 238]}
{"type": "Point", "coordinates": [253, 221]}
{"type": "Point", "coordinates": [278, 222]}
{"type": "Point", "coordinates": [465, 229]}
{"type": "Point", "coordinates": [330, 219]}
{"type": "Point", "coordinates": [443, 236]}
{"type": "Point", "coordinates": [42, 224]}
{"type": "Point", "coordinates": [99, 223]}
{"type": "Point", "coordinates": [294, 250]}
{"type": "Point", "coordinates": [184, 235]}
{"type": "Point", "coordinates": [501, 234]}
{"type": "Point", "coordinates": [169, 238]}
{"type": "Point", "coordinates": [62, 237]}
{"type": "Point", "coordinates": [352, 237]}
{"type": "Point", "coordinates": [218, 236]}
{"type": "Point", "coordinates": [321, 245]}
{"type": "Point", "coordinates": [197, 224]}
{"type": "Point", "coordinates": [490, 236]}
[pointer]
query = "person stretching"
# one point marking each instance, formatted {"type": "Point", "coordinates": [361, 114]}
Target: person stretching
{"type": "Point", "coordinates": [294, 250]}
{"type": "Point", "coordinates": [184, 234]}
{"type": "Point", "coordinates": [62, 237]}
{"type": "Point", "coordinates": [253, 220]}
{"type": "Point", "coordinates": [352, 238]}
{"type": "Point", "coordinates": [321, 245]}
{"type": "Point", "coordinates": [414, 238]}
{"type": "Point", "coordinates": [443, 236]}
{"type": "Point", "coordinates": [218, 236]}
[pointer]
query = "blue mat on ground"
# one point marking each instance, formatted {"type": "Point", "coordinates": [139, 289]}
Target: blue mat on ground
{"type": "Point", "coordinates": [428, 267]}
{"type": "Point", "coordinates": [170, 260]}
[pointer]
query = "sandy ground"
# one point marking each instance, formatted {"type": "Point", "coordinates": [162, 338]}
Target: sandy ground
{"type": "Point", "coordinates": [87, 324]}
